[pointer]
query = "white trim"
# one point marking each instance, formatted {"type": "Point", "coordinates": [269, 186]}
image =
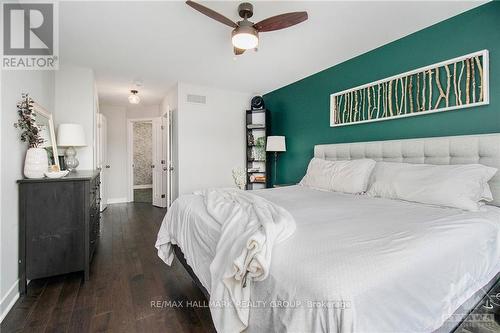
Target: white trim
{"type": "Point", "coordinates": [11, 297]}
{"type": "Point", "coordinates": [486, 96]}
{"type": "Point", "coordinates": [142, 187]}
{"type": "Point", "coordinates": [42, 111]}
{"type": "Point", "coordinates": [117, 200]}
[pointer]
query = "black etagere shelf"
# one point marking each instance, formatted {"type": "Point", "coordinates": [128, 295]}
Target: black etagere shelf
{"type": "Point", "coordinates": [256, 132]}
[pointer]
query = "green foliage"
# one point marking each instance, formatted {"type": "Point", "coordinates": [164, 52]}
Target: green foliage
{"type": "Point", "coordinates": [260, 148]}
{"type": "Point", "coordinates": [30, 132]}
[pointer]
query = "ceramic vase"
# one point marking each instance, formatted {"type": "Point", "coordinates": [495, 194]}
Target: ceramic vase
{"type": "Point", "coordinates": [36, 163]}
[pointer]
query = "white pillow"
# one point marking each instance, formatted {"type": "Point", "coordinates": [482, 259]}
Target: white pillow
{"type": "Point", "coordinates": [341, 176]}
{"type": "Point", "coordinates": [460, 186]}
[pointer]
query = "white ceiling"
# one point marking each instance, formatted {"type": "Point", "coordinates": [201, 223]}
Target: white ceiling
{"type": "Point", "coordinates": [165, 42]}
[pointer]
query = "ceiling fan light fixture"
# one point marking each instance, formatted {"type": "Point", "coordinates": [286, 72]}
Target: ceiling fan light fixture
{"type": "Point", "coordinates": [245, 35]}
{"type": "Point", "coordinates": [134, 98]}
{"type": "Point", "coordinates": [245, 38]}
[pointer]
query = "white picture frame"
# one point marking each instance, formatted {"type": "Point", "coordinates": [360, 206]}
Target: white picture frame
{"type": "Point", "coordinates": [42, 112]}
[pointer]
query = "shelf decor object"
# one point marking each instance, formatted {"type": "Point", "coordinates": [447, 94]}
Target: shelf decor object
{"type": "Point", "coordinates": [37, 129]}
{"type": "Point", "coordinates": [457, 83]}
{"type": "Point", "coordinates": [276, 144]}
{"type": "Point", "coordinates": [256, 132]}
{"type": "Point", "coordinates": [70, 136]}
{"type": "Point", "coordinates": [239, 178]}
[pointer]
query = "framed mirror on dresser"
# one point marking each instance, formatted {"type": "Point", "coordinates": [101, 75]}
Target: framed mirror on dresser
{"type": "Point", "coordinates": [45, 122]}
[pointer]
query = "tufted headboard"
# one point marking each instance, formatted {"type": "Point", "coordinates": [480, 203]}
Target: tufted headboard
{"type": "Point", "coordinates": [468, 149]}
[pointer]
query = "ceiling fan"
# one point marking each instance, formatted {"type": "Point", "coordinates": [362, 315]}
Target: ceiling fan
{"type": "Point", "coordinates": [245, 35]}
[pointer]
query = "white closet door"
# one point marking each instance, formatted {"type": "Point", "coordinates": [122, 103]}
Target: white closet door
{"type": "Point", "coordinates": [158, 195]}
{"type": "Point", "coordinates": [102, 158]}
{"type": "Point", "coordinates": [165, 162]}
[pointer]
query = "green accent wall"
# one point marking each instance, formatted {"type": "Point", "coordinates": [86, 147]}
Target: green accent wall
{"type": "Point", "coordinates": [301, 110]}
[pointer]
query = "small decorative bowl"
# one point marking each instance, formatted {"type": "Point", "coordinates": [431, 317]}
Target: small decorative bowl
{"type": "Point", "coordinates": [58, 174]}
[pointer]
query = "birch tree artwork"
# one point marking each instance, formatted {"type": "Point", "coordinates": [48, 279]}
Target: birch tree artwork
{"type": "Point", "coordinates": [453, 84]}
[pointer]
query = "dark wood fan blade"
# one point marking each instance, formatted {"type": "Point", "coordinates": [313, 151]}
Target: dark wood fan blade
{"type": "Point", "coordinates": [238, 51]}
{"type": "Point", "coordinates": [211, 13]}
{"type": "Point", "coordinates": [280, 21]}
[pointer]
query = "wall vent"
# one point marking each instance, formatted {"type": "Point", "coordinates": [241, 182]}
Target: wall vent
{"type": "Point", "coordinates": [198, 99]}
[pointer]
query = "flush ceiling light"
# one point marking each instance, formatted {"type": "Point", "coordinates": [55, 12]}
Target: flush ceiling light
{"type": "Point", "coordinates": [134, 98]}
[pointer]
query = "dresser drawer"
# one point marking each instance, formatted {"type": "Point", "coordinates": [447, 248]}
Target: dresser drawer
{"type": "Point", "coordinates": [94, 222]}
{"type": "Point", "coordinates": [95, 186]}
{"type": "Point", "coordinates": [52, 228]}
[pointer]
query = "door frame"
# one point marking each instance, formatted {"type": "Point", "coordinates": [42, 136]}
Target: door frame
{"type": "Point", "coordinates": [166, 120]}
{"type": "Point", "coordinates": [130, 153]}
{"type": "Point", "coordinates": [101, 157]}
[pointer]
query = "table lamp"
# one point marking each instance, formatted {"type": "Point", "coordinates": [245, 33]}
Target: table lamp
{"type": "Point", "coordinates": [275, 144]}
{"type": "Point", "coordinates": [71, 136]}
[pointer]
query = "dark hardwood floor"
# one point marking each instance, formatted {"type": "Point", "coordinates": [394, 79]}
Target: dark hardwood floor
{"type": "Point", "coordinates": [126, 277]}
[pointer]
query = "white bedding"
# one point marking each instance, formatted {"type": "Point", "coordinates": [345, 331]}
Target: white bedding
{"type": "Point", "coordinates": [368, 264]}
{"type": "Point", "coordinates": [250, 228]}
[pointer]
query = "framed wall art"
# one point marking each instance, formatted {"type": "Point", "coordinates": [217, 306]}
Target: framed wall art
{"type": "Point", "coordinates": [453, 84]}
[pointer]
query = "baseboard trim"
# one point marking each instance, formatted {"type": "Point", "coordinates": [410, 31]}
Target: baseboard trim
{"type": "Point", "coordinates": [111, 201]}
{"type": "Point", "coordinates": [142, 187]}
{"type": "Point", "coordinates": [9, 300]}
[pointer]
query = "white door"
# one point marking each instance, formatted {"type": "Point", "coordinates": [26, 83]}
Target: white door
{"type": "Point", "coordinates": [170, 160]}
{"type": "Point", "coordinates": [167, 158]}
{"type": "Point", "coordinates": [159, 197]}
{"type": "Point", "coordinates": [102, 160]}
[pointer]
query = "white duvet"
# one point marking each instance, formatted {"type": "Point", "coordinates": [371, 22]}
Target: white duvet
{"type": "Point", "coordinates": [354, 264]}
{"type": "Point", "coordinates": [250, 226]}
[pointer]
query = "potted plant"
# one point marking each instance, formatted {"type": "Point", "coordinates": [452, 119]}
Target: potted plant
{"type": "Point", "coordinates": [36, 161]}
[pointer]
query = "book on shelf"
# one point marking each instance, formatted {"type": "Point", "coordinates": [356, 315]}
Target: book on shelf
{"type": "Point", "coordinates": [256, 126]}
{"type": "Point", "coordinates": [258, 178]}
{"type": "Point", "coordinates": [255, 170]}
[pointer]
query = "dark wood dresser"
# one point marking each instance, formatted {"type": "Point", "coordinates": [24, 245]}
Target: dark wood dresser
{"type": "Point", "coordinates": [59, 223]}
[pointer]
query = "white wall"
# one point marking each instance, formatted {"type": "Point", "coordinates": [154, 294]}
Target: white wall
{"type": "Point", "coordinates": [75, 103]}
{"type": "Point", "coordinates": [40, 85]}
{"type": "Point", "coordinates": [116, 176]}
{"type": "Point", "coordinates": [140, 111]}
{"type": "Point", "coordinates": [116, 116]}
{"type": "Point", "coordinates": [210, 137]}
{"type": "Point", "coordinates": [2, 293]}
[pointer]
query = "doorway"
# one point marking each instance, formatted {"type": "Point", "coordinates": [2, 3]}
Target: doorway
{"type": "Point", "coordinates": [142, 163]}
{"type": "Point", "coordinates": [146, 161]}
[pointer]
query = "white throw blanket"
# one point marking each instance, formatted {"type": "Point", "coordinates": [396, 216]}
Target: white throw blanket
{"type": "Point", "coordinates": [250, 227]}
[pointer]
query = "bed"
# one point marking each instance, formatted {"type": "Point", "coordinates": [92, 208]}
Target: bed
{"type": "Point", "coordinates": [363, 264]}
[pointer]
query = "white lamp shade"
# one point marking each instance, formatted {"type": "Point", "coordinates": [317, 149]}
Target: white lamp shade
{"type": "Point", "coordinates": [276, 143]}
{"type": "Point", "coordinates": [70, 135]}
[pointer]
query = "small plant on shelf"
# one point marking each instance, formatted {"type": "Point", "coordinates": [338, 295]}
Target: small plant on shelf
{"type": "Point", "coordinates": [260, 148]}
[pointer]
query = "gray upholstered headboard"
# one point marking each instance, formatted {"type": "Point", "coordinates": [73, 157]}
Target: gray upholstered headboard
{"type": "Point", "coordinates": [482, 149]}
